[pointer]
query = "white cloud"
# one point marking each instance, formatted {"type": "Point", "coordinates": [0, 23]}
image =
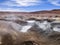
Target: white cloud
{"type": "Point", "coordinates": [55, 2]}
{"type": "Point", "coordinates": [28, 2]}
{"type": "Point", "coordinates": [12, 10]}
{"type": "Point", "coordinates": [9, 5]}
{"type": "Point", "coordinates": [22, 2]}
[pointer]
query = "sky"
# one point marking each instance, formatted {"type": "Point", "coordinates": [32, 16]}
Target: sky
{"type": "Point", "coordinates": [28, 5]}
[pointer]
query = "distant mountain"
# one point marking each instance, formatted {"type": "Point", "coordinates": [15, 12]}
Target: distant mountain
{"type": "Point", "coordinates": [55, 11]}
{"type": "Point", "coordinates": [44, 13]}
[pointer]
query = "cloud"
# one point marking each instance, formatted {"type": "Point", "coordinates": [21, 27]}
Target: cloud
{"type": "Point", "coordinates": [10, 3]}
{"type": "Point", "coordinates": [28, 2]}
{"type": "Point", "coordinates": [12, 10]}
{"type": "Point", "coordinates": [17, 5]}
{"type": "Point", "coordinates": [22, 2]}
{"type": "Point", "coordinates": [55, 2]}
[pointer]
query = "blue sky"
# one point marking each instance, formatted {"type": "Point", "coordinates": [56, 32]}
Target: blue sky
{"type": "Point", "coordinates": [28, 5]}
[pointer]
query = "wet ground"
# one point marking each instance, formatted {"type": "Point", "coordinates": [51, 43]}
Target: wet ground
{"type": "Point", "coordinates": [29, 32]}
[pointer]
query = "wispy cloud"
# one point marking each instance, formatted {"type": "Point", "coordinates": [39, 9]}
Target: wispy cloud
{"type": "Point", "coordinates": [12, 10]}
{"type": "Point", "coordinates": [25, 5]}
{"type": "Point", "coordinates": [18, 3]}
{"type": "Point", "coordinates": [55, 2]}
{"type": "Point", "coordinates": [10, 3]}
{"type": "Point", "coordinates": [22, 2]}
{"type": "Point", "coordinates": [28, 2]}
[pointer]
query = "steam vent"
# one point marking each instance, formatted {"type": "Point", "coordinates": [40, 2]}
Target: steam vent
{"type": "Point", "coordinates": [30, 28]}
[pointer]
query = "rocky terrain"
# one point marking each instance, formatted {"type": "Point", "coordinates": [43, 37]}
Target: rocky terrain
{"type": "Point", "coordinates": [16, 29]}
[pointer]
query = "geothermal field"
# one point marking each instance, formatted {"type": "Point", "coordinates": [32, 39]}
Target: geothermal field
{"type": "Point", "coordinates": [30, 28]}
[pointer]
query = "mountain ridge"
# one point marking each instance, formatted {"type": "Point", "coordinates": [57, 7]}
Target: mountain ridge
{"type": "Point", "coordinates": [46, 11]}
